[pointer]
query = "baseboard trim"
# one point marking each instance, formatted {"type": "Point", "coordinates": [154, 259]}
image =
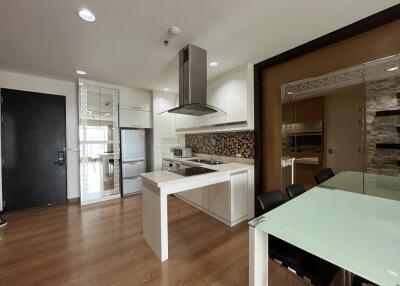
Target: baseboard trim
{"type": "Point", "coordinates": [74, 200]}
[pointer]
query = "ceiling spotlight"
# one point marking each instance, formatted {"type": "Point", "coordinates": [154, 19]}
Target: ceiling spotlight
{"type": "Point", "coordinates": [86, 15]}
{"type": "Point", "coordinates": [81, 72]}
{"type": "Point", "coordinates": [166, 89]}
{"type": "Point", "coordinates": [213, 64]}
{"type": "Point", "coordinates": [174, 31]}
{"type": "Point", "coordinates": [392, 68]}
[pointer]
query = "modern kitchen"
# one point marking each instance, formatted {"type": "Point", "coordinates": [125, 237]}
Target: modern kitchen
{"type": "Point", "coordinates": [197, 145]}
{"type": "Point", "coordinates": [190, 143]}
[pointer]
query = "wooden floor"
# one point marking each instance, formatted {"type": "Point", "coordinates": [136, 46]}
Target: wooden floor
{"type": "Point", "coordinates": [103, 245]}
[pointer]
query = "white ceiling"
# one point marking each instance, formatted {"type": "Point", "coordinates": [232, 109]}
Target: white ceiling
{"type": "Point", "coordinates": [124, 45]}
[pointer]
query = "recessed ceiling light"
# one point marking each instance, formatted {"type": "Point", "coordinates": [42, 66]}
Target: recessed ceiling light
{"type": "Point", "coordinates": [393, 68]}
{"type": "Point", "coordinates": [166, 89]}
{"type": "Point", "coordinates": [213, 64]}
{"type": "Point", "coordinates": [81, 72]}
{"type": "Point", "coordinates": [86, 15]}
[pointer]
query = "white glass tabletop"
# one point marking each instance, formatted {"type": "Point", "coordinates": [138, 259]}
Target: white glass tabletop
{"type": "Point", "coordinates": [356, 232]}
{"type": "Point", "coordinates": [369, 184]}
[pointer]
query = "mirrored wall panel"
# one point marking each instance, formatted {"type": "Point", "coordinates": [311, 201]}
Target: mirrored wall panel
{"type": "Point", "coordinates": [342, 130]}
{"type": "Point", "coordinates": [99, 143]}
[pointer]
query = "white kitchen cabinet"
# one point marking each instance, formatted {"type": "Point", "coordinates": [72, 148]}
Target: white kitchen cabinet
{"type": "Point", "coordinates": [239, 191]}
{"type": "Point", "coordinates": [236, 97]}
{"type": "Point", "coordinates": [198, 197]}
{"type": "Point", "coordinates": [233, 93]}
{"type": "Point", "coordinates": [134, 118]}
{"type": "Point", "coordinates": [219, 200]}
{"type": "Point", "coordinates": [216, 96]}
{"type": "Point", "coordinates": [135, 100]}
{"type": "Point", "coordinates": [186, 121]}
{"type": "Point", "coordinates": [228, 202]}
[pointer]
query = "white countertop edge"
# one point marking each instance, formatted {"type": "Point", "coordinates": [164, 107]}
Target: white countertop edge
{"type": "Point", "coordinates": [166, 179]}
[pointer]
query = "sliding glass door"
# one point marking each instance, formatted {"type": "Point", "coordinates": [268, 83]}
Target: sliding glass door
{"type": "Point", "coordinates": [347, 121]}
{"type": "Point", "coordinates": [99, 143]}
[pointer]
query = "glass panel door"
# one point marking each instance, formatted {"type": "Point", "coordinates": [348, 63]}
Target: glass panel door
{"type": "Point", "coordinates": [323, 131]}
{"type": "Point", "coordinates": [99, 143]}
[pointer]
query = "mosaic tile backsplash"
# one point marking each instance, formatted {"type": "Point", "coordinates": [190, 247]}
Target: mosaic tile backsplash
{"type": "Point", "coordinates": [225, 144]}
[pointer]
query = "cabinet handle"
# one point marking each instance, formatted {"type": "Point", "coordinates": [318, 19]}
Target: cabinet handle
{"type": "Point", "coordinates": [136, 125]}
{"type": "Point", "coordinates": [136, 108]}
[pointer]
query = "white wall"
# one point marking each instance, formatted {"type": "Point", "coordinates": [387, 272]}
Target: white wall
{"type": "Point", "coordinates": [164, 135]}
{"type": "Point", "coordinates": [69, 90]}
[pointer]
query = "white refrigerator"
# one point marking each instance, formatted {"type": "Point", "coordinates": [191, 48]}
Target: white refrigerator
{"type": "Point", "coordinates": [133, 159]}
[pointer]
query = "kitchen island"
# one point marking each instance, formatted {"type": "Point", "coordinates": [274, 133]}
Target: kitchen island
{"type": "Point", "coordinates": [230, 198]}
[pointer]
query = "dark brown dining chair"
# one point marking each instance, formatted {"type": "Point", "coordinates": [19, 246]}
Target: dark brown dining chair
{"type": "Point", "coordinates": [295, 190]}
{"type": "Point", "coordinates": [324, 175]}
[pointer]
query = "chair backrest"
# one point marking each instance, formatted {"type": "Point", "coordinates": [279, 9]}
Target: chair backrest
{"type": "Point", "coordinates": [295, 190]}
{"type": "Point", "coordinates": [324, 175]}
{"type": "Point", "coordinates": [269, 200]}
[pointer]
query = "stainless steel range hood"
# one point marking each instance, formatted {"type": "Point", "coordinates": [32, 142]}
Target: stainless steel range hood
{"type": "Point", "coordinates": [193, 83]}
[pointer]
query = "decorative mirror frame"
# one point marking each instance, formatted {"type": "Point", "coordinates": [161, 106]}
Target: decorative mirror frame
{"type": "Point", "coordinates": [83, 122]}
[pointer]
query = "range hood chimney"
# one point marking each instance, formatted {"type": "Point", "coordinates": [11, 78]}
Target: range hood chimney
{"type": "Point", "coordinates": [193, 83]}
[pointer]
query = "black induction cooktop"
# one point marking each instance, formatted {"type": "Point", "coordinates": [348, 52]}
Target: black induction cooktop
{"type": "Point", "coordinates": [192, 171]}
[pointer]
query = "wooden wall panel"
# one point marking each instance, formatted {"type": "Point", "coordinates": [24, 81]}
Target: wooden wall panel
{"type": "Point", "coordinates": [374, 44]}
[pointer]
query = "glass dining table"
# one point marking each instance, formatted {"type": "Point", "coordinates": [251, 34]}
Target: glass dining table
{"type": "Point", "coordinates": [335, 221]}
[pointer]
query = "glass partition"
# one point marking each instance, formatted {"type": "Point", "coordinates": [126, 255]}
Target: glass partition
{"type": "Point", "coordinates": [99, 143]}
{"type": "Point", "coordinates": [347, 121]}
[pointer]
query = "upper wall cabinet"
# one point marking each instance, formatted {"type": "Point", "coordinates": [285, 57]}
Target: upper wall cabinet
{"type": "Point", "coordinates": [136, 100]}
{"type": "Point", "coordinates": [216, 96]}
{"type": "Point", "coordinates": [135, 108]}
{"type": "Point", "coordinates": [185, 122]}
{"type": "Point", "coordinates": [236, 97]}
{"type": "Point", "coordinates": [135, 118]}
{"type": "Point", "coordinates": [231, 92]}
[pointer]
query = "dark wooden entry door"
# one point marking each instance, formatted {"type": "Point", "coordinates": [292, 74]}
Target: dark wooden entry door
{"type": "Point", "coordinates": [33, 149]}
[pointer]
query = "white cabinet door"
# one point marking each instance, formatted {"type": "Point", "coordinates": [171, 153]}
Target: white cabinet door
{"type": "Point", "coordinates": [219, 200]}
{"type": "Point", "coordinates": [238, 196]}
{"type": "Point", "coordinates": [236, 97]}
{"type": "Point", "coordinates": [216, 93]}
{"type": "Point", "coordinates": [134, 118]}
{"type": "Point", "coordinates": [197, 197]}
{"type": "Point", "coordinates": [135, 100]}
{"type": "Point", "coordinates": [186, 121]}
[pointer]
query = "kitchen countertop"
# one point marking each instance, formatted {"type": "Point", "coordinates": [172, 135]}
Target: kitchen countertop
{"type": "Point", "coordinates": [166, 179]}
{"type": "Point", "coordinates": [228, 166]}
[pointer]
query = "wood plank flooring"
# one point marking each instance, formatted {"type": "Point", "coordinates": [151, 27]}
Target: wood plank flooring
{"type": "Point", "coordinates": [103, 245]}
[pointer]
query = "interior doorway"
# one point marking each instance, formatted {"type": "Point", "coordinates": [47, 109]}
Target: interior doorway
{"type": "Point", "coordinates": [33, 138]}
{"type": "Point", "coordinates": [343, 129]}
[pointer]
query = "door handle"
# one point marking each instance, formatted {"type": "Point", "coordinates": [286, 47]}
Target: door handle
{"type": "Point", "coordinates": [60, 158]}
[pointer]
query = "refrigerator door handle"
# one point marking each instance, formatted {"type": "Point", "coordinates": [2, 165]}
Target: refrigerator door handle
{"type": "Point", "coordinates": [134, 162]}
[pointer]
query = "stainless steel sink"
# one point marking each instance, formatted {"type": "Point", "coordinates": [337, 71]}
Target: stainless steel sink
{"type": "Point", "coordinates": [208, 162]}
